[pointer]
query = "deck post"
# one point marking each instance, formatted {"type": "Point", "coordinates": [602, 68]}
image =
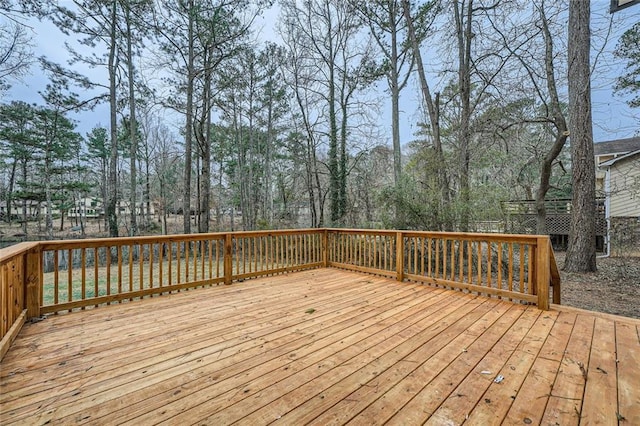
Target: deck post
{"type": "Point", "coordinates": [32, 282]}
{"type": "Point", "coordinates": [543, 272]}
{"type": "Point", "coordinates": [399, 256]}
{"type": "Point", "coordinates": [325, 248]}
{"type": "Point", "coordinates": [228, 258]}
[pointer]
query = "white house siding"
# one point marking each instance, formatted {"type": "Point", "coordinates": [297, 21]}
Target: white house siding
{"type": "Point", "coordinates": [624, 187]}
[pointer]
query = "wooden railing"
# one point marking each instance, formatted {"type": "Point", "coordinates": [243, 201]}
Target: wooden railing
{"type": "Point", "coordinates": [516, 267]}
{"type": "Point", "coordinates": [55, 276]}
{"type": "Point", "coordinates": [19, 281]}
{"type": "Point", "coordinates": [82, 273]}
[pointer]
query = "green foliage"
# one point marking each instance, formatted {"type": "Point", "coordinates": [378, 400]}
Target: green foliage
{"type": "Point", "coordinates": [43, 143]}
{"type": "Point", "coordinates": [629, 49]}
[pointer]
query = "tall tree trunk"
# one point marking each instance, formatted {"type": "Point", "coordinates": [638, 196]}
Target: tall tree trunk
{"type": "Point", "coordinates": [395, 102]}
{"type": "Point", "coordinates": [334, 168]}
{"type": "Point", "coordinates": [147, 180]}
{"type": "Point", "coordinates": [133, 151]}
{"type": "Point", "coordinates": [9, 199]}
{"type": "Point", "coordinates": [219, 212]}
{"type": "Point", "coordinates": [463, 20]}
{"type": "Point", "coordinates": [268, 182]}
{"type": "Point", "coordinates": [24, 201]}
{"type": "Point", "coordinates": [188, 128]}
{"type": "Point", "coordinates": [395, 114]}
{"type": "Point", "coordinates": [343, 160]}
{"type": "Point", "coordinates": [205, 149]}
{"type": "Point", "coordinates": [48, 216]}
{"type": "Point", "coordinates": [113, 159]}
{"type": "Point", "coordinates": [104, 164]}
{"type": "Point", "coordinates": [581, 253]}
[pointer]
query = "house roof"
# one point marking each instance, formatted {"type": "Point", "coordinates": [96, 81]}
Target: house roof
{"type": "Point", "coordinates": [617, 146]}
{"type": "Point", "coordinates": [621, 158]}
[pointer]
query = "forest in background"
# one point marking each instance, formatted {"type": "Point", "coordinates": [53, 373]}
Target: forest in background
{"type": "Point", "coordinates": [292, 133]}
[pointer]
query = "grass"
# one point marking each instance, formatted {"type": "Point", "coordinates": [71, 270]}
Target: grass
{"type": "Point", "coordinates": [139, 277]}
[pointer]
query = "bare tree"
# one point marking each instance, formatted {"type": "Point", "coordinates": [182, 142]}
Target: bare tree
{"type": "Point", "coordinates": [15, 51]}
{"type": "Point", "coordinates": [533, 46]}
{"type": "Point", "coordinates": [388, 28]}
{"type": "Point", "coordinates": [432, 102]}
{"type": "Point", "coordinates": [338, 62]}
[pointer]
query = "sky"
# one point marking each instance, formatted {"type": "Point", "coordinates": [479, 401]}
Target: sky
{"type": "Point", "coordinates": [612, 118]}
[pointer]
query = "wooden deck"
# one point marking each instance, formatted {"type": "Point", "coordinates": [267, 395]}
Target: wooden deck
{"type": "Point", "coordinates": [323, 347]}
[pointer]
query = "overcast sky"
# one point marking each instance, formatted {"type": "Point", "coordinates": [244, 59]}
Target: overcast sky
{"type": "Point", "coordinates": [612, 118]}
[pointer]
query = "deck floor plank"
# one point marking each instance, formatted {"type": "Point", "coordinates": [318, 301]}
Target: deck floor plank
{"type": "Point", "coordinates": [239, 407]}
{"type": "Point", "coordinates": [601, 391]}
{"type": "Point", "coordinates": [425, 388]}
{"type": "Point", "coordinates": [220, 328]}
{"type": "Point", "coordinates": [536, 389]}
{"type": "Point", "coordinates": [503, 391]}
{"type": "Point", "coordinates": [263, 370]}
{"type": "Point", "coordinates": [456, 408]}
{"type": "Point", "coordinates": [229, 332]}
{"type": "Point", "coordinates": [171, 364]}
{"type": "Point", "coordinates": [565, 403]}
{"type": "Point", "coordinates": [311, 392]}
{"type": "Point", "coordinates": [628, 357]}
{"type": "Point", "coordinates": [323, 346]}
{"type": "Point", "coordinates": [374, 380]}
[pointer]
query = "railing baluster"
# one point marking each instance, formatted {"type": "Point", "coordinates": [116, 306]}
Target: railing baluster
{"type": "Point", "coordinates": [530, 271]}
{"type": "Point", "coordinates": [510, 279]}
{"type": "Point", "coordinates": [489, 269]}
{"type": "Point", "coordinates": [203, 257]}
{"type": "Point", "coordinates": [70, 276]}
{"type": "Point", "coordinates": [187, 253]}
{"type": "Point", "coordinates": [453, 260]}
{"type": "Point", "coordinates": [437, 249]}
{"type": "Point", "coordinates": [469, 261]}
{"type": "Point", "coordinates": [151, 261]}
{"type": "Point", "coordinates": [140, 266]}
{"type": "Point", "coordinates": [119, 252]}
{"type": "Point", "coordinates": [108, 284]}
{"type": "Point", "coordinates": [56, 274]}
{"type": "Point", "coordinates": [461, 246]}
{"type": "Point", "coordinates": [160, 264]}
{"type": "Point", "coordinates": [499, 271]}
{"type": "Point", "coordinates": [217, 247]}
{"type": "Point", "coordinates": [479, 248]}
{"type": "Point", "coordinates": [178, 262]}
{"type": "Point", "coordinates": [170, 264]}
{"type": "Point", "coordinates": [130, 266]}
{"type": "Point", "coordinates": [83, 261]}
{"type": "Point", "coordinates": [522, 251]}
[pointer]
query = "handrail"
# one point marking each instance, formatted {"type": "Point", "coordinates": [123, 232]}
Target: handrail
{"type": "Point", "coordinates": [45, 277]}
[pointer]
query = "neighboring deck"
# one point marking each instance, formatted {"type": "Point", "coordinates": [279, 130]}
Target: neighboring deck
{"type": "Point", "coordinates": [323, 346]}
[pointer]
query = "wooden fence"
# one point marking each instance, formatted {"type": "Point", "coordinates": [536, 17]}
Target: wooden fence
{"type": "Point", "coordinates": [54, 276]}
